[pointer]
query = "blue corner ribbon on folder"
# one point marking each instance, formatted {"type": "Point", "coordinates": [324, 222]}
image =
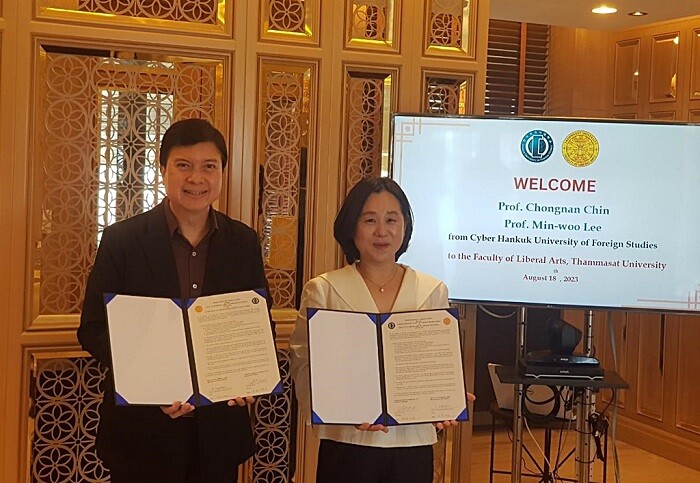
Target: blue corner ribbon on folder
{"type": "Point", "coordinates": [390, 421]}
{"type": "Point", "coordinates": [463, 416]}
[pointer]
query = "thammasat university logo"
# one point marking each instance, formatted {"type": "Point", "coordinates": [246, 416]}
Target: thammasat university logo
{"type": "Point", "coordinates": [537, 146]}
{"type": "Point", "coordinates": [580, 149]}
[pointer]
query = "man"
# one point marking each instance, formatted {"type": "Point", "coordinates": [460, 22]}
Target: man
{"type": "Point", "coordinates": [181, 248]}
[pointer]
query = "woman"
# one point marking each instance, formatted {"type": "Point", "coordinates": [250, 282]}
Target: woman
{"type": "Point", "coordinates": [373, 228]}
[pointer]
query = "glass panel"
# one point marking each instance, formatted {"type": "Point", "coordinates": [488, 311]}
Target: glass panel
{"type": "Point", "coordinates": [99, 125]}
{"type": "Point", "coordinates": [273, 427]}
{"type": "Point", "coordinates": [626, 72]}
{"type": "Point", "coordinates": [368, 107]}
{"type": "Point", "coordinates": [290, 19]}
{"type": "Point", "coordinates": [284, 142]}
{"type": "Point", "coordinates": [451, 26]}
{"type": "Point", "coordinates": [286, 15]}
{"type": "Point", "coordinates": [449, 95]}
{"type": "Point", "coordinates": [664, 67]}
{"type": "Point", "coordinates": [66, 395]}
{"type": "Point", "coordinates": [370, 23]}
{"type": "Point", "coordinates": [203, 12]}
{"type": "Point", "coordinates": [131, 126]}
{"type": "Point", "coordinates": [369, 20]}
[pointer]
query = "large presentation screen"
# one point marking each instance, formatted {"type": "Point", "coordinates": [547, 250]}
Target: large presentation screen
{"type": "Point", "coordinates": [570, 213]}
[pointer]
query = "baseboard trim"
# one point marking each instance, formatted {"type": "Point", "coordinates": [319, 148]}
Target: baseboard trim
{"type": "Point", "coordinates": [667, 445]}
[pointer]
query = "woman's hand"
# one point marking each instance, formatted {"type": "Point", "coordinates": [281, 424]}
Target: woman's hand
{"type": "Point", "coordinates": [446, 424]}
{"type": "Point", "coordinates": [241, 401]}
{"type": "Point", "coordinates": [451, 422]}
{"type": "Point", "coordinates": [372, 427]}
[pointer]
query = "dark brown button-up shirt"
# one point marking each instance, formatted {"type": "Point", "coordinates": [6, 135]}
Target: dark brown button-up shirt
{"type": "Point", "coordinates": [191, 261]}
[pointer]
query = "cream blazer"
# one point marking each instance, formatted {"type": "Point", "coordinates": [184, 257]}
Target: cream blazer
{"type": "Point", "coordinates": [344, 289]}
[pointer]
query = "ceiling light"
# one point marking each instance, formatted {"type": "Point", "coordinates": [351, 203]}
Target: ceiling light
{"type": "Point", "coordinates": [638, 13]}
{"type": "Point", "coordinates": [604, 10]}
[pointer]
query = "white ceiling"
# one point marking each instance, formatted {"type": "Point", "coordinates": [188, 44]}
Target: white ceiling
{"type": "Point", "coordinates": [577, 13]}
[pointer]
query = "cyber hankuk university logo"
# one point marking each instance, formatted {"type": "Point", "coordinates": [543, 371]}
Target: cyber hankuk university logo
{"type": "Point", "coordinates": [580, 149]}
{"type": "Point", "coordinates": [537, 146]}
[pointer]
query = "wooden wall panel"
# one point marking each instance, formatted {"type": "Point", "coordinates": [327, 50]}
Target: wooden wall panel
{"type": "Point", "coordinates": [664, 67]}
{"type": "Point", "coordinates": [627, 72]}
{"type": "Point", "coordinates": [694, 91]}
{"type": "Point", "coordinates": [650, 370]}
{"type": "Point", "coordinates": [580, 75]}
{"type": "Point", "coordinates": [687, 390]}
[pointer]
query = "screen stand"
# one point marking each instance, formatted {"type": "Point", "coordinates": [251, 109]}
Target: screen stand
{"type": "Point", "coordinates": [583, 402]}
{"type": "Point", "coordinates": [584, 406]}
{"type": "Point", "coordinates": [520, 344]}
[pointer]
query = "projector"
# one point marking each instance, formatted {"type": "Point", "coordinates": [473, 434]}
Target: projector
{"type": "Point", "coordinates": [549, 358]}
{"type": "Point", "coordinates": [546, 364]}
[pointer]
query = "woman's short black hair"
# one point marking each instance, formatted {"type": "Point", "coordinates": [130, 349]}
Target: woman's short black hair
{"type": "Point", "coordinates": [346, 219]}
{"type": "Point", "coordinates": [189, 132]}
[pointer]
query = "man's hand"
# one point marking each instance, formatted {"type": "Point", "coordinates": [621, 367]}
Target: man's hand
{"type": "Point", "coordinates": [177, 409]}
{"type": "Point", "coordinates": [241, 401]}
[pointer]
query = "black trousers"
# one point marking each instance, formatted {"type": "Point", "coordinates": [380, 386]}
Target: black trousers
{"type": "Point", "coordinates": [193, 476]}
{"type": "Point", "coordinates": [193, 473]}
{"type": "Point", "coordinates": [349, 463]}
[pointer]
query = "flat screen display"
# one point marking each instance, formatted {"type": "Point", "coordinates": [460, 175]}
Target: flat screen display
{"type": "Point", "coordinates": [553, 212]}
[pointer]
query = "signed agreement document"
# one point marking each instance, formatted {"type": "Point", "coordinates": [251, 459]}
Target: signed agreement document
{"type": "Point", "coordinates": [204, 350]}
{"type": "Point", "coordinates": [390, 369]}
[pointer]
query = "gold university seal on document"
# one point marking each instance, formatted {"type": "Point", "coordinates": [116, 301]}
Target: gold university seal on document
{"type": "Point", "coordinates": [580, 149]}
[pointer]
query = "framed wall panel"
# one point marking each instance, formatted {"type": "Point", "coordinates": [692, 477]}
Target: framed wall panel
{"type": "Point", "coordinates": [186, 16]}
{"type": "Point", "coordinates": [626, 87]}
{"type": "Point", "coordinates": [284, 147]}
{"type": "Point", "coordinates": [450, 28]}
{"type": "Point", "coordinates": [369, 98]}
{"type": "Point", "coordinates": [687, 390]}
{"type": "Point", "coordinates": [631, 115]}
{"type": "Point", "coordinates": [448, 93]}
{"type": "Point", "coordinates": [373, 24]}
{"type": "Point", "coordinates": [662, 115]}
{"type": "Point", "coordinates": [694, 93]}
{"type": "Point", "coordinates": [664, 67]}
{"type": "Point", "coordinates": [296, 21]}
{"type": "Point", "coordinates": [65, 397]}
{"type": "Point", "coordinates": [99, 117]}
